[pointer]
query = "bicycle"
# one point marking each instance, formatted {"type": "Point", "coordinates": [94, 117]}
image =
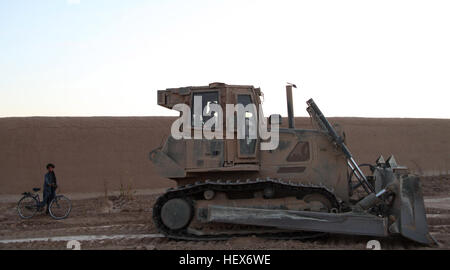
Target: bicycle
{"type": "Point", "coordinates": [30, 204]}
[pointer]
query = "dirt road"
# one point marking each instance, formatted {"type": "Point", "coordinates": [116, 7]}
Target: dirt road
{"type": "Point", "coordinates": [118, 223]}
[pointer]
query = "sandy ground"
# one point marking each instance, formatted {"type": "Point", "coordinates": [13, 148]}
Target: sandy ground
{"type": "Point", "coordinates": [119, 223]}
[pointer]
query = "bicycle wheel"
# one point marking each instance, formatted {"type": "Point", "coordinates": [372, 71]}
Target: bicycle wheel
{"type": "Point", "coordinates": [27, 207]}
{"type": "Point", "coordinates": [60, 207]}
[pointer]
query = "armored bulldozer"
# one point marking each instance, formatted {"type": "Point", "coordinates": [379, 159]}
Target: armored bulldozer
{"type": "Point", "coordinates": [307, 185]}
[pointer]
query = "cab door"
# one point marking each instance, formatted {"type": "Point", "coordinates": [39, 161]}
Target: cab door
{"type": "Point", "coordinates": [204, 153]}
{"type": "Point", "coordinates": [247, 147]}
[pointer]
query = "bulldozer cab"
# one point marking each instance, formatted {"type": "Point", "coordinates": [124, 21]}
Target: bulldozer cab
{"type": "Point", "coordinates": [224, 151]}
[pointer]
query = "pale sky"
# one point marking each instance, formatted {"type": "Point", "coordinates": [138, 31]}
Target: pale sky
{"type": "Point", "coordinates": [108, 57]}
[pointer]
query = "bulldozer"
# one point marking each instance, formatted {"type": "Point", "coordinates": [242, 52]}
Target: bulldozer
{"type": "Point", "coordinates": [307, 186]}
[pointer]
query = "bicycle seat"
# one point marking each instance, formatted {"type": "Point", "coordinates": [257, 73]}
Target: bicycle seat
{"type": "Point", "coordinates": [36, 189]}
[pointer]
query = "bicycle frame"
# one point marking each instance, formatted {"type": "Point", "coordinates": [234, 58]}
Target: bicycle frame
{"type": "Point", "coordinates": [33, 195]}
{"type": "Point", "coordinates": [36, 196]}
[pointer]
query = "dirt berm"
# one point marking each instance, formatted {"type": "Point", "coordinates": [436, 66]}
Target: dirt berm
{"type": "Point", "coordinates": [91, 152]}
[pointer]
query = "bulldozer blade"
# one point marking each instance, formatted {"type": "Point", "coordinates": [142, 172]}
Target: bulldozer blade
{"type": "Point", "coordinates": [413, 220]}
{"type": "Point", "coordinates": [343, 223]}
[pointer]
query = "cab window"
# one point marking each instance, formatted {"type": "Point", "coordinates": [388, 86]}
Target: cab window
{"type": "Point", "coordinates": [208, 98]}
{"type": "Point", "coordinates": [247, 146]}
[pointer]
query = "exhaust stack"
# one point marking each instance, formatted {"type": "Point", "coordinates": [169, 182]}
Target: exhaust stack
{"type": "Point", "coordinates": [290, 105]}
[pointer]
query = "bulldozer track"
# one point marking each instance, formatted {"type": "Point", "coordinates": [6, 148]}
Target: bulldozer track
{"type": "Point", "coordinates": [189, 191]}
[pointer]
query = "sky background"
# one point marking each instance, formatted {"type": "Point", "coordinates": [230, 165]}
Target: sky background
{"type": "Point", "coordinates": [109, 57]}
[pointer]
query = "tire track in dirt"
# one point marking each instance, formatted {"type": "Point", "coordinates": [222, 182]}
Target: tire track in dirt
{"type": "Point", "coordinates": [81, 238]}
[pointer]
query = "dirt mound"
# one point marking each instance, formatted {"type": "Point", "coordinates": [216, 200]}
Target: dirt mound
{"type": "Point", "coordinates": [91, 152]}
